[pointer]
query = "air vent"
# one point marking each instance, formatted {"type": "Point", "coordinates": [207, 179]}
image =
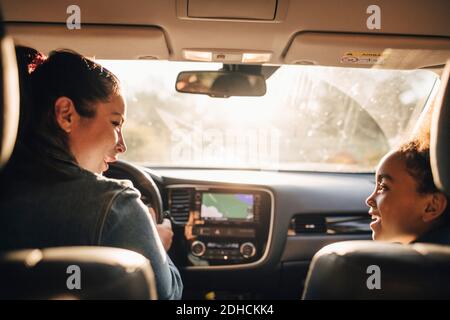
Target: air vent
{"type": "Point", "coordinates": [359, 224]}
{"type": "Point", "coordinates": [309, 224]}
{"type": "Point", "coordinates": [330, 224]}
{"type": "Point", "coordinates": [179, 204]}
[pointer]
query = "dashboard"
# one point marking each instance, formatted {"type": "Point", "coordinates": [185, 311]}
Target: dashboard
{"type": "Point", "coordinates": [257, 231]}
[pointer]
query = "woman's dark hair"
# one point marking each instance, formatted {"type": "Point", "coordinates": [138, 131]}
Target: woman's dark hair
{"type": "Point", "coordinates": [69, 74]}
{"type": "Point", "coordinates": [27, 60]}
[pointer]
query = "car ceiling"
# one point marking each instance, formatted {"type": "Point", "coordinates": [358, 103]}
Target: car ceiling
{"type": "Point", "coordinates": [161, 29]}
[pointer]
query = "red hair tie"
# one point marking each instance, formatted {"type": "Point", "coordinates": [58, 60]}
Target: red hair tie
{"type": "Point", "coordinates": [36, 62]}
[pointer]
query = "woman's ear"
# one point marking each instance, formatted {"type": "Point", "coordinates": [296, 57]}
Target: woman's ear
{"type": "Point", "coordinates": [435, 207]}
{"type": "Point", "coordinates": [65, 113]}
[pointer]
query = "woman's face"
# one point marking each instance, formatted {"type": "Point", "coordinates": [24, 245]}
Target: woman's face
{"type": "Point", "coordinates": [396, 207]}
{"type": "Point", "coordinates": [97, 141]}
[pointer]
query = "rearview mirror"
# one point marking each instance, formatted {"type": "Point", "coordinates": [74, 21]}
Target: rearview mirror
{"type": "Point", "coordinates": [221, 84]}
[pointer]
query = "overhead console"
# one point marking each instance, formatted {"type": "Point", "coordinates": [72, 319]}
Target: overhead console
{"type": "Point", "coordinates": [223, 226]}
{"type": "Point", "coordinates": [249, 10]}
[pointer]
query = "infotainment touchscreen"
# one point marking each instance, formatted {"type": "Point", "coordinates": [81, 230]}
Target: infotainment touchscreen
{"type": "Point", "coordinates": [227, 206]}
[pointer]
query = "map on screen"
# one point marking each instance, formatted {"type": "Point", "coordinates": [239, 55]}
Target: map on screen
{"type": "Point", "coordinates": [226, 206]}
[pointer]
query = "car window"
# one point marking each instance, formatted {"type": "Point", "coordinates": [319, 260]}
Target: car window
{"type": "Point", "coordinates": [311, 118]}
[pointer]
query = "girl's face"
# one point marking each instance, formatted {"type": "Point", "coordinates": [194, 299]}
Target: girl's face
{"type": "Point", "coordinates": [397, 209]}
{"type": "Point", "coordinates": [97, 141]}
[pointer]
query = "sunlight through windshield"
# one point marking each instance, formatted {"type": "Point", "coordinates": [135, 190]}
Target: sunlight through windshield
{"type": "Point", "coordinates": [311, 118]}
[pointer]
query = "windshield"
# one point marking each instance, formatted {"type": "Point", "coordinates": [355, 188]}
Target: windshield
{"type": "Point", "coordinates": [311, 118]}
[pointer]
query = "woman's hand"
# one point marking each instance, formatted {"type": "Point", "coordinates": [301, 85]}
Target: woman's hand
{"type": "Point", "coordinates": [164, 230]}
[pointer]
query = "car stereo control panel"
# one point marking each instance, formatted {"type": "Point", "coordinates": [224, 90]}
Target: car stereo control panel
{"type": "Point", "coordinates": [223, 226]}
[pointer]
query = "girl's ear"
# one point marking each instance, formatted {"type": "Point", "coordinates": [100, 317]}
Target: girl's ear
{"type": "Point", "coordinates": [65, 113]}
{"type": "Point", "coordinates": [435, 207]}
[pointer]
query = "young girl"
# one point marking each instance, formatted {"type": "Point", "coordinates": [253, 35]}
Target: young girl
{"type": "Point", "coordinates": [406, 206]}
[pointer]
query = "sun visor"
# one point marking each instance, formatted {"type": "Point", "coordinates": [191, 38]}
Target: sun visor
{"type": "Point", "coordinates": [368, 51]}
{"type": "Point", "coordinates": [103, 42]}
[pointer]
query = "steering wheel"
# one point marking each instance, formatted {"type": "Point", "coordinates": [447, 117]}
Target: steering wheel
{"type": "Point", "coordinates": [142, 181]}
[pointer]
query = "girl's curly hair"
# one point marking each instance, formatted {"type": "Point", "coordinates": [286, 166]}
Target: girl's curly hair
{"type": "Point", "coordinates": [417, 160]}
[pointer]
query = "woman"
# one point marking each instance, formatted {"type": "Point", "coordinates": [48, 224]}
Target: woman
{"type": "Point", "coordinates": [53, 193]}
{"type": "Point", "coordinates": [406, 206]}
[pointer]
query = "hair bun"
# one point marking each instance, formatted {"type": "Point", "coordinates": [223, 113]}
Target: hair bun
{"type": "Point", "coordinates": [37, 60]}
{"type": "Point", "coordinates": [28, 59]}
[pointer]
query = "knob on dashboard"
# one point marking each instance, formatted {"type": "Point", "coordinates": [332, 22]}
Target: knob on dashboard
{"type": "Point", "coordinates": [198, 248]}
{"type": "Point", "coordinates": [248, 250]}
